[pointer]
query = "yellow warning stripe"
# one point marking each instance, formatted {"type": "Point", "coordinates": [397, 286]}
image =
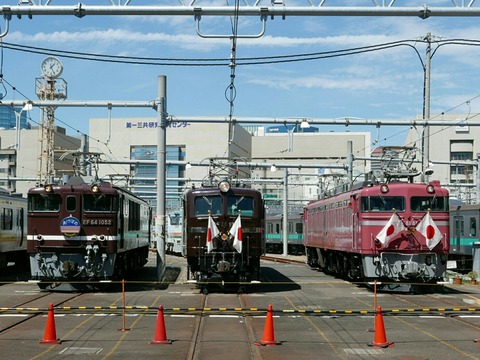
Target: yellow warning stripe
{"type": "Point", "coordinates": [238, 309]}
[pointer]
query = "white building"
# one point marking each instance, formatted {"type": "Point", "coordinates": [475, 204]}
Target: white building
{"type": "Point", "coordinates": [127, 139]}
{"type": "Point", "coordinates": [449, 144]}
{"type": "Point", "coordinates": [316, 161]}
{"type": "Point", "coordinates": [19, 160]}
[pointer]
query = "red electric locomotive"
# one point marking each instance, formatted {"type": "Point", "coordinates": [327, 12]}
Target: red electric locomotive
{"type": "Point", "coordinates": [81, 233]}
{"type": "Point", "coordinates": [396, 232]}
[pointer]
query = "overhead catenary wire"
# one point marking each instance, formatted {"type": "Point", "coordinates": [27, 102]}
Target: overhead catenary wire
{"type": "Point", "coordinates": [239, 61]}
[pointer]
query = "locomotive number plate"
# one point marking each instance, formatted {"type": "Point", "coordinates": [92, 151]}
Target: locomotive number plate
{"type": "Point", "coordinates": [92, 222]}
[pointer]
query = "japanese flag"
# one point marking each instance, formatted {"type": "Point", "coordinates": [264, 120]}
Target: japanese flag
{"type": "Point", "coordinates": [236, 232]}
{"type": "Point", "coordinates": [394, 226]}
{"type": "Point", "coordinates": [427, 228]}
{"type": "Point", "coordinates": [212, 232]}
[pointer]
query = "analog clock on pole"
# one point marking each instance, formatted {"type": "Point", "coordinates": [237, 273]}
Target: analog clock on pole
{"type": "Point", "coordinates": [51, 67]}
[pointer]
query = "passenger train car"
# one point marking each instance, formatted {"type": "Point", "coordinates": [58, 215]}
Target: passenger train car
{"type": "Point", "coordinates": [395, 232]}
{"type": "Point", "coordinates": [13, 230]}
{"type": "Point", "coordinates": [224, 234]}
{"type": "Point", "coordinates": [174, 243]}
{"type": "Point", "coordinates": [464, 233]}
{"type": "Point", "coordinates": [274, 233]}
{"type": "Point", "coordinates": [85, 232]}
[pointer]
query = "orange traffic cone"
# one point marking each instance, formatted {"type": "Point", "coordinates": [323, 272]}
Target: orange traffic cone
{"type": "Point", "coordinates": [268, 338]}
{"type": "Point", "coordinates": [160, 337]}
{"type": "Point", "coordinates": [380, 339]}
{"type": "Point", "coordinates": [50, 335]}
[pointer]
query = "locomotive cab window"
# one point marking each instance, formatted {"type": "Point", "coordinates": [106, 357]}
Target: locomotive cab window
{"type": "Point", "coordinates": [204, 204]}
{"type": "Point", "coordinates": [100, 202]}
{"type": "Point", "coordinates": [432, 203]}
{"type": "Point", "coordinates": [39, 202]}
{"type": "Point", "coordinates": [383, 203]}
{"type": "Point", "coordinates": [244, 204]}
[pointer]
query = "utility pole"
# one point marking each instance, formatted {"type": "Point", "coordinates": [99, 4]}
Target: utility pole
{"type": "Point", "coordinates": [426, 106]}
{"type": "Point", "coordinates": [161, 176]}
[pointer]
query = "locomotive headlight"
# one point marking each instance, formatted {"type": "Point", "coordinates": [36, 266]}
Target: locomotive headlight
{"type": "Point", "coordinates": [384, 188]}
{"type": "Point", "coordinates": [48, 188]}
{"type": "Point", "coordinates": [430, 189]}
{"type": "Point", "coordinates": [224, 186]}
{"type": "Point", "coordinates": [95, 188]}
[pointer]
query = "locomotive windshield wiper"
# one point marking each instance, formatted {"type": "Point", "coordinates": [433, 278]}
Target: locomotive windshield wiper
{"type": "Point", "coordinates": [383, 200]}
{"type": "Point", "coordinates": [207, 201]}
{"type": "Point", "coordinates": [238, 201]}
{"type": "Point", "coordinates": [433, 202]}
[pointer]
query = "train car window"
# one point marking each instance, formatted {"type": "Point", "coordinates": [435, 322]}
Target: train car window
{"type": "Point", "coordinates": [290, 227]}
{"type": "Point", "coordinates": [270, 228]}
{"type": "Point", "coordinates": [7, 217]}
{"type": "Point", "coordinates": [243, 203]}
{"type": "Point", "coordinates": [204, 204]}
{"type": "Point", "coordinates": [299, 228]}
{"type": "Point", "coordinates": [39, 202]}
{"type": "Point", "coordinates": [432, 203]}
{"type": "Point", "coordinates": [458, 226]}
{"type": "Point", "coordinates": [71, 203]}
{"type": "Point", "coordinates": [98, 203]}
{"type": "Point", "coordinates": [175, 219]}
{"type": "Point", "coordinates": [277, 228]}
{"type": "Point", "coordinates": [383, 203]}
{"type": "Point", "coordinates": [473, 226]}
{"type": "Point", "coordinates": [20, 217]}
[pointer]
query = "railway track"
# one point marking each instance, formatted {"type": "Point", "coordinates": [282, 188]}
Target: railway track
{"type": "Point", "coordinates": [211, 329]}
{"type": "Point", "coordinates": [315, 315]}
{"type": "Point", "coordinates": [21, 312]}
{"type": "Point", "coordinates": [284, 260]}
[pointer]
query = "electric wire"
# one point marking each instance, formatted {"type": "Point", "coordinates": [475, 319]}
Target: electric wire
{"type": "Point", "coordinates": [237, 61]}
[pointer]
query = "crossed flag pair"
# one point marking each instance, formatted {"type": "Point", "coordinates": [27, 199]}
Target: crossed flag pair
{"type": "Point", "coordinates": [235, 231]}
{"type": "Point", "coordinates": [426, 227]}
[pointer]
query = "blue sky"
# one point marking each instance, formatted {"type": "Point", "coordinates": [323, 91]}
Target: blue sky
{"type": "Point", "coordinates": [385, 84]}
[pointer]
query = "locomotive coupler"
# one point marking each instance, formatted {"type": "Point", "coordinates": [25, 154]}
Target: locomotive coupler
{"type": "Point", "coordinates": [223, 266]}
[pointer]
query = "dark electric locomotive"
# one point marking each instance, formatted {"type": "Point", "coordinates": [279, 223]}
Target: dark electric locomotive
{"type": "Point", "coordinates": [224, 234]}
{"type": "Point", "coordinates": [80, 234]}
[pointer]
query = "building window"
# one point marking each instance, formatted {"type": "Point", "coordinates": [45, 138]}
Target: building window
{"type": "Point", "coordinates": [461, 150]}
{"type": "Point", "coordinates": [145, 175]}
